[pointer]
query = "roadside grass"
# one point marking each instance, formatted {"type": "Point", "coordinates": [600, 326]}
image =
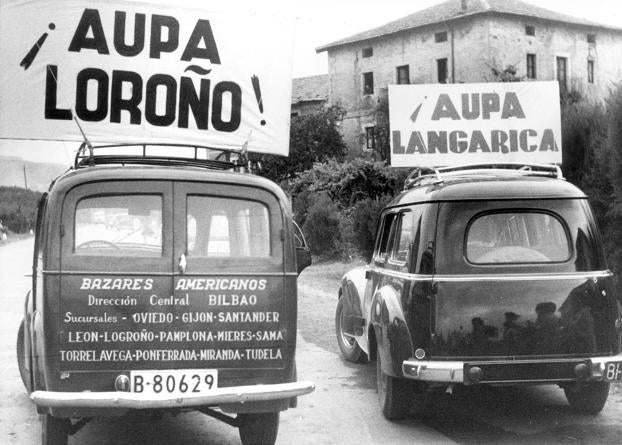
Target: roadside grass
{"type": "Point", "coordinates": [318, 287]}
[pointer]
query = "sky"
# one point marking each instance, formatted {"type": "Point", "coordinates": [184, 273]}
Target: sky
{"type": "Point", "coordinates": [318, 22]}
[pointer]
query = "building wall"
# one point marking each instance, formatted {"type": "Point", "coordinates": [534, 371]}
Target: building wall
{"type": "Point", "coordinates": [510, 45]}
{"type": "Point", "coordinates": [480, 44]}
{"type": "Point", "coordinates": [419, 51]}
{"type": "Point", "coordinates": [304, 108]}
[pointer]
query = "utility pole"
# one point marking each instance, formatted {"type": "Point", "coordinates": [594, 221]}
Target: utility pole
{"type": "Point", "coordinates": [25, 177]}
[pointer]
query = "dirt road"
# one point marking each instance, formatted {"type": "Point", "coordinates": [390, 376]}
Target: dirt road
{"type": "Point", "coordinates": [342, 410]}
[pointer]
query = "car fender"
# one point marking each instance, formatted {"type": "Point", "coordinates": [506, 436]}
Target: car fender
{"type": "Point", "coordinates": [392, 335]}
{"type": "Point", "coordinates": [28, 361]}
{"type": "Point", "coordinates": [352, 290]}
{"type": "Point", "coordinates": [37, 342]}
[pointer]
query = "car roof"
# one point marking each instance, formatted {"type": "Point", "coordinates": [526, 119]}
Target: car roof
{"type": "Point", "coordinates": [469, 187]}
{"type": "Point", "coordinates": [134, 172]}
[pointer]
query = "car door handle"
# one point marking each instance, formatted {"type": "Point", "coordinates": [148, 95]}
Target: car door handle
{"type": "Point", "coordinates": [182, 264]}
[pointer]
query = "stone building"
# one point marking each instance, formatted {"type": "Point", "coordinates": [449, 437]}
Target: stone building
{"type": "Point", "coordinates": [467, 41]}
{"type": "Point", "coordinates": [309, 94]}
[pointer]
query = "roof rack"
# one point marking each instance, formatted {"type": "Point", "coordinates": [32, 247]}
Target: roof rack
{"type": "Point", "coordinates": [159, 154]}
{"type": "Point", "coordinates": [437, 175]}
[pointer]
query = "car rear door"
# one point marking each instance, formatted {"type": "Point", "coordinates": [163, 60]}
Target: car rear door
{"type": "Point", "coordinates": [229, 283]}
{"type": "Point", "coordinates": [116, 262]}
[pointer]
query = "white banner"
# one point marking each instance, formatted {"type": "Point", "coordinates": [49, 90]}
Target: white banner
{"type": "Point", "coordinates": [457, 124]}
{"type": "Point", "coordinates": [143, 72]}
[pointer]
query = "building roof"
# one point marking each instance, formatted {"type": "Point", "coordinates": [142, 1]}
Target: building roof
{"type": "Point", "coordinates": [453, 10]}
{"type": "Point", "coordinates": [312, 88]}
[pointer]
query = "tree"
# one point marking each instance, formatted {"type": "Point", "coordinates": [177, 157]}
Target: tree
{"type": "Point", "coordinates": [18, 208]}
{"type": "Point", "coordinates": [613, 229]}
{"type": "Point", "coordinates": [313, 138]}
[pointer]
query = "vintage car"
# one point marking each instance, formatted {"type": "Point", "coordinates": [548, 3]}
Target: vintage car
{"type": "Point", "coordinates": [162, 284]}
{"type": "Point", "coordinates": [484, 275]}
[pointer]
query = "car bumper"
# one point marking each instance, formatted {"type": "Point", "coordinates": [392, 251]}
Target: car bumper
{"type": "Point", "coordinates": [220, 396]}
{"type": "Point", "coordinates": [508, 371]}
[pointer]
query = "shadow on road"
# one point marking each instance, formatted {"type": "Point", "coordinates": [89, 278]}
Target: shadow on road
{"type": "Point", "coordinates": [509, 415]}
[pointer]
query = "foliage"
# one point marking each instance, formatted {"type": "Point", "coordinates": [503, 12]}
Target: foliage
{"type": "Point", "coordinates": [612, 159]}
{"type": "Point", "coordinates": [507, 74]}
{"type": "Point", "coordinates": [584, 129]}
{"type": "Point", "coordinates": [364, 219]}
{"type": "Point", "coordinates": [313, 138]}
{"type": "Point", "coordinates": [321, 227]}
{"type": "Point", "coordinates": [348, 182]}
{"type": "Point", "coordinates": [592, 142]}
{"type": "Point", "coordinates": [18, 208]}
{"type": "Point", "coordinates": [353, 192]}
{"type": "Point", "coordinates": [382, 131]}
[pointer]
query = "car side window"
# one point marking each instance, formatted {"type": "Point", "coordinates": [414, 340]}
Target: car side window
{"type": "Point", "coordinates": [400, 251]}
{"type": "Point", "coordinates": [383, 237]}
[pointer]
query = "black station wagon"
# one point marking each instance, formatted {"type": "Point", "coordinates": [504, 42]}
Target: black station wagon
{"type": "Point", "coordinates": [161, 284]}
{"type": "Point", "coordinates": [484, 276]}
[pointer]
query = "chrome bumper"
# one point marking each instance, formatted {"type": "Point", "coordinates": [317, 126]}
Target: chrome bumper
{"type": "Point", "coordinates": [115, 399]}
{"type": "Point", "coordinates": [453, 371]}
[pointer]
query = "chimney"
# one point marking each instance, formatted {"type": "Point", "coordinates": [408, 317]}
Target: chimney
{"type": "Point", "coordinates": [463, 4]}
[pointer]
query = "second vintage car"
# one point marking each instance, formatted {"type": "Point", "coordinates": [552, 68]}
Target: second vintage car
{"type": "Point", "coordinates": [484, 275]}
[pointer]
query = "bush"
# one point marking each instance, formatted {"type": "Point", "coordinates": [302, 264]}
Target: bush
{"type": "Point", "coordinates": [322, 227]}
{"type": "Point", "coordinates": [584, 130]}
{"type": "Point", "coordinates": [18, 208]}
{"type": "Point", "coordinates": [364, 219]}
{"type": "Point", "coordinates": [346, 183]}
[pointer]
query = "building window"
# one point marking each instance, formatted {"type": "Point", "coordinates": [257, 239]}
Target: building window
{"type": "Point", "coordinates": [441, 68]}
{"type": "Point", "coordinates": [590, 71]}
{"type": "Point", "coordinates": [403, 75]}
{"type": "Point", "coordinates": [368, 83]}
{"type": "Point", "coordinates": [531, 66]}
{"type": "Point", "coordinates": [370, 139]}
{"type": "Point", "coordinates": [562, 72]}
{"type": "Point", "coordinates": [530, 30]}
{"type": "Point", "coordinates": [368, 52]}
{"type": "Point", "coordinates": [440, 37]}
{"type": "Point", "coordinates": [591, 38]}
{"type": "Point", "coordinates": [294, 114]}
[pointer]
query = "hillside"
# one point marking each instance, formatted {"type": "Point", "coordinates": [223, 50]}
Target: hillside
{"type": "Point", "coordinates": [33, 175]}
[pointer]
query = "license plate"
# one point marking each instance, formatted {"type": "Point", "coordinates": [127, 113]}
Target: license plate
{"type": "Point", "coordinates": [174, 382]}
{"type": "Point", "coordinates": [613, 371]}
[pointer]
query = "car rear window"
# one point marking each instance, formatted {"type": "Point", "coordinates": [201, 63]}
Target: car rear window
{"type": "Point", "coordinates": [119, 225]}
{"type": "Point", "coordinates": [516, 238]}
{"type": "Point", "coordinates": [225, 227]}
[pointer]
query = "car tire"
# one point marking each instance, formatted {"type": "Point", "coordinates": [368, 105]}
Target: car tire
{"type": "Point", "coordinates": [587, 398]}
{"type": "Point", "coordinates": [394, 394]}
{"type": "Point", "coordinates": [21, 357]}
{"type": "Point", "coordinates": [259, 428]}
{"type": "Point", "coordinates": [54, 430]}
{"type": "Point", "coordinates": [348, 346]}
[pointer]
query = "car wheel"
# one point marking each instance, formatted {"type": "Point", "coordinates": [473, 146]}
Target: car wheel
{"type": "Point", "coordinates": [21, 357]}
{"type": "Point", "coordinates": [394, 394]}
{"type": "Point", "coordinates": [348, 346]}
{"type": "Point", "coordinates": [587, 398]}
{"type": "Point", "coordinates": [259, 428]}
{"type": "Point", "coordinates": [54, 430]}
